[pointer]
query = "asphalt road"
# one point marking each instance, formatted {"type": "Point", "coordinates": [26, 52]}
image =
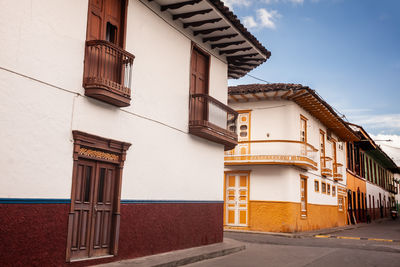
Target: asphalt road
{"type": "Point", "coordinates": [268, 250]}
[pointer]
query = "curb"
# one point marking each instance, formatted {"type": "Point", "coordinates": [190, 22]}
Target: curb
{"type": "Point", "coordinates": [357, 238]}
{"type": "Point", "coordinates": [182, 257]}
{"type": "Point", "coordinates": [202, 257]}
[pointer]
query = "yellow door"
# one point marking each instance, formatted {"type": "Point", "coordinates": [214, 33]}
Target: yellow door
{"type": "Point", "coordinates": [237, 188]}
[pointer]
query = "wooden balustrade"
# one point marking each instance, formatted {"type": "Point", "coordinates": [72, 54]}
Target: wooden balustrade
{"type": "Point", "coordinates": [108, 73]}
{"type": "Point", "coordinates": [209, 119]}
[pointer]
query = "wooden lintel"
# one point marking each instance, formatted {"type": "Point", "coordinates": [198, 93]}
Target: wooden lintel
{"type": "Point", "coordinates": [233, 51]}
{"type": "Point", "coordinates": [191, 14]}
{"type": "Point", "coordinates": [201, 22]}
{"type": "Point", "coordinates": [179, 5]}
{"type": "Point", "coordinates": [208, 31]}
{"type": "Point", "coordinates": [223, 45]}
{"type": "Point", "coordinates": [219, 37]}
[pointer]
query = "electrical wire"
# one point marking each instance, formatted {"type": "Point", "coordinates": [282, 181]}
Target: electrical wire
{"type": "Point", "coordinates": [257, 78]}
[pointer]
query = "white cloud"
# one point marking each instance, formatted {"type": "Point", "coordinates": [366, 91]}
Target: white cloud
{"type": "Point", "coordinates": [384, 123]}
{"type": "Point", "coordinates": [267, 18]}
{"type": "Point", "coordinates": [232, 3]}
{"type": "Point", "coordinates": [296, 2]}
{"type": "Point", "coordinates": [249, 22]}
{"type": "Point", "coordinates": [391, 148]}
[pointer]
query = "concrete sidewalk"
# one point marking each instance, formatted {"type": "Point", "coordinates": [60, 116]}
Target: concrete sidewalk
{"type": "Point", "coordinates": [184, 256]}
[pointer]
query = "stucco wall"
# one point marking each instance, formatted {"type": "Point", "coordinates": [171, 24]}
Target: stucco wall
{"type": "Point", "coordinates": [43, 101]}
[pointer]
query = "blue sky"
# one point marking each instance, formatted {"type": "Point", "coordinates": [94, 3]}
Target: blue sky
{"type": "Point", "coordinates": [347, 50]}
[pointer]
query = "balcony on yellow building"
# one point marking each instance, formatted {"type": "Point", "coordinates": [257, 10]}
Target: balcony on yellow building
{"type": "Point", "coordinates": [273, 152]}
{"type": "Point", "coordinates": [326, 166]}
{"type": "Point", "coordinates": [337, 172]}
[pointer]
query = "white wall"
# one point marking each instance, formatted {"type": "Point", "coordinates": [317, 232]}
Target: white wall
{"type": "Point", "coordinates": [45, 41]}
{"type": "Point", "coordinates": [374, 190]}
{"type": "Point", "coordinates": [281, 120]}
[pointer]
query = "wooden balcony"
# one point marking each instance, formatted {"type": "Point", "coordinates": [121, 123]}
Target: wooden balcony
{"type": "Point", "coordinates": [273, 152]}
{"type": "Point", "coordinates": [210, 118]}
{"type": "Point", "coordinates": [108, 73]}
{"type": "Point", "coordinates": [326, 166]}
{"type": "Point", "coordinates": [337, 172]}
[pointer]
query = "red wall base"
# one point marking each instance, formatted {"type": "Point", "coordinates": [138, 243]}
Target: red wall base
{"type": "Point", "coordinates": [36, 234]}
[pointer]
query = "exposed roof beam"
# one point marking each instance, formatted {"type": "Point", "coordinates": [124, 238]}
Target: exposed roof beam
{"type": "Point", "coordinates": [232, 51]}
{"type": "Point", "coordinates": [240, 68]}
{"type": "Point", "coordinates": [191, 14]}
{"type": "Point", "coordinates": [242, 56]}
{"type": "Point", "coordinates": [246, 59]}
{"type": "Point", "coordinates": [236, 72]}
{"type": "Point", "coordinates": [234, 98]}
{"type": "Point", "coordinates": [299, 93]}
{"type": "Point", "coordinates": [219, 37]}
{"type": "Point", "coordinates": [200, 23]}
{"type": "Point", "coordinates": [223, 45]}
{"type": "Point", "coordinates": [244, 97]}
{"type": "Point", "coordinates": [208, 31]}
{"type": "Point", "coordinates": [243, 63]}
{"type": "Point", "coordinates": [256, 96]}
{"type": "Point", "coordinates": [286, 94]}
{"type": "Point", "coordinates": [179, 5]}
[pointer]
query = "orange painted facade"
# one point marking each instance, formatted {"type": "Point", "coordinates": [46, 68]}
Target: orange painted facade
{"type": "Point", "coordinates": [270, 216]}
{"type": "Point", "coordinates": [354, 183]}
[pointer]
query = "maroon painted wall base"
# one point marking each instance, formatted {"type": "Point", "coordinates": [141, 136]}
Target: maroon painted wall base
{"type": "Point", "coordinates": [36, 234]}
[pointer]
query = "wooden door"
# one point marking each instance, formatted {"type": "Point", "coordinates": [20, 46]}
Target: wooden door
{"type": "Point", "coordinates": [237, 188]}
{"type": "Point", "coordinates": [105, 21]}
{"type": "Point", "coordinates": [199, 85]}
{"type": "Point", "coordinates": [93, 209]}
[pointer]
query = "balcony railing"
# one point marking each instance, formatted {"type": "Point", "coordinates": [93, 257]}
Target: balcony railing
{"type": "Point", "coordinates": [213, 120]}
{"type": "Point", "coordinates": [108, 73]}
{"type": "Point", "coordinates": [277, 152]}
{"type": "Point", "coordinates": [337, 171]}
{"type": "Point", "coordinates": [326, 166]}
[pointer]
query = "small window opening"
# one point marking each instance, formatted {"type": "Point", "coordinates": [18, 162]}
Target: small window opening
{"type": "Point", "coordinates": [111, 33]}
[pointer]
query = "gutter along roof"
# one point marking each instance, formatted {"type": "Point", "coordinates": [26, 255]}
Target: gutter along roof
{"type": "Point", "coordinates": [305, 97]}
{"type": "Point", "coordinates": [368, 144]}
{"type": "Point", "coordinates": [218, 27]}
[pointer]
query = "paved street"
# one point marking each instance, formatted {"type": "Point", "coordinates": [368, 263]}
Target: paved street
{"type": "Point", "coordinates": [329, 250]}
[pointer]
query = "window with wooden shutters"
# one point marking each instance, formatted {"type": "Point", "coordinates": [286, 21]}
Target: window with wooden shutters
{"type": "Point", "coordinates": [303, 196]}
{"type": "Point", "coordinates": [108, 67]}
{"type": "Point", "coordinates": [208, 117]}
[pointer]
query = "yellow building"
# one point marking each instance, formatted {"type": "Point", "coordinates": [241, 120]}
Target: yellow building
{"type": "Point", "coordinates": [286, 174]}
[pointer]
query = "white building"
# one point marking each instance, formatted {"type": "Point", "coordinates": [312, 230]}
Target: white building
{"type": "Point", "coordinates": [286, 174]}
{"type": "Point", "coordinates": [372, 172]}
{"type": "Point", "coordinates": [113, 121]}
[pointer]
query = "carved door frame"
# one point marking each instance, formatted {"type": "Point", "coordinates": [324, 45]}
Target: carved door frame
{"type": "Point", "coordinates": [101, 150]}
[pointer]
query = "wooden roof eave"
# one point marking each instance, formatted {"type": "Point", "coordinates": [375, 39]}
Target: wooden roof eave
{"type": "Point", "coordinates": [209, 27]}
{"type": "Point", "coordinates": [321, 111]}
